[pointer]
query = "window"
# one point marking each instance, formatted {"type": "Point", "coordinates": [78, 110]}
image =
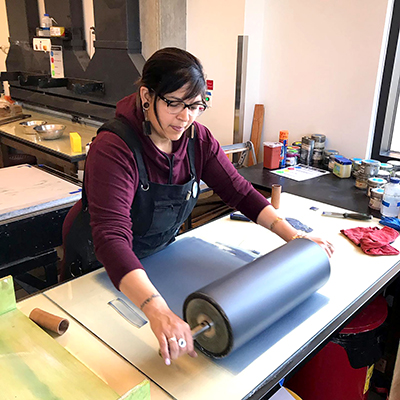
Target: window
{"type": "Point", "coordinates": [386, 142]}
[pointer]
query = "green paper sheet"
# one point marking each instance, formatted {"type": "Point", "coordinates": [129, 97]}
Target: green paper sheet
{"type": "Point", "coordinates": [34, 366]}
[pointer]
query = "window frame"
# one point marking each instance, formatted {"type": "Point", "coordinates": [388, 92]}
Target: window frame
{"type": "Point", "coordinates": [388, 94]}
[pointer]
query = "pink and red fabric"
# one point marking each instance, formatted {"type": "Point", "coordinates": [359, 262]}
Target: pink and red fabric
{"type": "Point", "coordinates": [372, 240]}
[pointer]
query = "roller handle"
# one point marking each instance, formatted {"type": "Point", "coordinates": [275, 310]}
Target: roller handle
{"type": "Point", "coordinates": [197, 331]}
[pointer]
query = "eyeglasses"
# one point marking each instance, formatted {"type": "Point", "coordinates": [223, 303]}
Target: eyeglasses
{"type": "Point", "coordinates": [177, 106]}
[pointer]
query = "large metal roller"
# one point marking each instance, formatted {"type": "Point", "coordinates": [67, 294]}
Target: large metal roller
{"type": "Point", "coordinates": [229, 312]}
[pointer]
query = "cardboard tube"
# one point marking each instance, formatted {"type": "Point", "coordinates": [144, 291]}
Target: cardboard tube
{"type": "Point", "coordinates": [276, 196]}
{"type": "Point", "coordinates": [49, 321]}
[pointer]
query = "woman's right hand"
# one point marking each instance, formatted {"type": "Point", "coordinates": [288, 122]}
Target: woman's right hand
{"type": "Point", "coordinates": [169, 329]}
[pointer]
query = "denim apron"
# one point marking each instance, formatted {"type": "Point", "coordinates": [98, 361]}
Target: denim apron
{"type": "Point", "coordinates": [157, 212]}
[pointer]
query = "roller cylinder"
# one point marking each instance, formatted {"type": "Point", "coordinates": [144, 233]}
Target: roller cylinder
{"type": "Point", "coordinates": [250, 299]}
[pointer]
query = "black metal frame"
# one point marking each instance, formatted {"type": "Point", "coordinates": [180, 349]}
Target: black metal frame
{"type": "Point", "coordinates": [385, 86]}
{"type": "Point", "coordinates": [92, 87]}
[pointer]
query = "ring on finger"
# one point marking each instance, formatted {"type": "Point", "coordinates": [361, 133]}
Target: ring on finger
{"type": "Point", "coordinates": [182, 343]}
{"type": "Point", "coordinates": [172, 339]}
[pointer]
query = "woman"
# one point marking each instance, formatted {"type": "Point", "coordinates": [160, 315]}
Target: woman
{"type": "Point", "coordinates": [141, 183]}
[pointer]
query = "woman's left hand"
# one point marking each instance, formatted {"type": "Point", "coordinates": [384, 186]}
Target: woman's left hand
{"type": "Point", "coordinates": [327, 246]}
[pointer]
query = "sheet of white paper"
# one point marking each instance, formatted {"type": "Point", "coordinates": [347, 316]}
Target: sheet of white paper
{"type": "Point", "coordinates": [25, 189]}
{"type": "Point", "coordinates": [300, 172]}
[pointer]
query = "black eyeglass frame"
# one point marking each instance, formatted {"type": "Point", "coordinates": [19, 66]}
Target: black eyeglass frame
{"type": "Point", "coordinates": [169, 102]}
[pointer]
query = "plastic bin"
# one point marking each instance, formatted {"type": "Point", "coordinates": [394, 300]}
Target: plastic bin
{"type": "Point", "coordinates": [343, 368]}
{"type": "Point", "coordinates": [272, 153]}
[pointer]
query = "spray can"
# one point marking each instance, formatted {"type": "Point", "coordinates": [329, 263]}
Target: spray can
{"type": "Point", "coordinates": [283, 138]}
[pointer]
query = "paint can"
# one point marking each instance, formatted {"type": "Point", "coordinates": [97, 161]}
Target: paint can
{"type": "Point", "coordinates": [291, 159]}
{"type": "Point", "coordinates": [395, 164]}
{"type": "Point", "coordinates": [374, 183]}
{"type": "Point", "coordinates": [319, 141]}
{"type": "Point", "coordinates": [375, 200]}
{"type": "Point", "coordinates": [361, 181]}
{"type": "Point", "coordinates": [383, 174]}
{"type": "Point", "coordinates": [327, 154]}
{"type": "Point", "coordinates": [369, 168]}
{"type": "Point", "coordinates": [332, 159]}
{"type": "Point", "coordinates": [342, 167]}
{"type": "Point", "coordinates": [356, 163]}
{"type": "Point", "coordinates": [386, 167]}
{"type": "Point", "coordinates": [307, 149]}
{"type": "Point", "coordinates": [319, 146]}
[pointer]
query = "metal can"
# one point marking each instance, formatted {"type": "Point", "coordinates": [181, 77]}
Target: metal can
{"type": "Point", "coordinates": [369, 168]}
{"type": "Point", "coordinates": [356, 163]}
{"type": "Point", "coordinates": [361, 181]}
{"type": "Point", "coordinates": [307, 149]}
{"type": "Point", "coordinates": [319, 141]}
{"type": "Point", "coordinates": [317, 155]}
{"type": "Point", "coordinates": [374, 183]}
{"type": "Point", "coordinates": [291, 159]}
{"type": "Point", "coordinates": [375, 200]}
{"type": "Point", "coordinates": [383, 174]}
{"type": "Point", "coordinates": [395, 164]}
{"type": "Point", "coordinates": [386, 167]}
{"type": "Point", "coordinates": [327, 154]}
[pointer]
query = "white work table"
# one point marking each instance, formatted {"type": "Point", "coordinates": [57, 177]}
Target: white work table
{"type": "Point", "coordinates": [253, 370]}
{"type": "Point", "coordinates": [33, 205]}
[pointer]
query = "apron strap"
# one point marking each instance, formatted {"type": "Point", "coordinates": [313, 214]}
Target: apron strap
{"type": "Point", "coordinates": [191, 150]}
{"type": "Point", "coordinates": [128, 135]}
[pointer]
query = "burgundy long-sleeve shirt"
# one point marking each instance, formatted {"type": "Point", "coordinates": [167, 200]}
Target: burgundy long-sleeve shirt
{"type": "Point", "coordinates": [111, 181]}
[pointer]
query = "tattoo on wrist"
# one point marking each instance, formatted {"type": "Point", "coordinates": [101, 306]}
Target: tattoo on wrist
{"type": "Point", "coordinates": [149, 299]}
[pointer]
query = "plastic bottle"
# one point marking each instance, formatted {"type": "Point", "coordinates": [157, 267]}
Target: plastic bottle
{"type": "Point", "coordinates": [391, 199]}
{"type": "Point", "coordinates": [46, 23]}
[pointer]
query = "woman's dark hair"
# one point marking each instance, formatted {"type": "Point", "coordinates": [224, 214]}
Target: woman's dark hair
{"type": "Point", "coordinates": [169, 69]}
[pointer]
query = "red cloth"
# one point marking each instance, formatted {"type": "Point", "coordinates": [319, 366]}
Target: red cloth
{"type": "Point", "coordinates": [373, 241]}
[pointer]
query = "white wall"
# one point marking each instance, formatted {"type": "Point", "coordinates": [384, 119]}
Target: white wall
{"type": "Point", "coordinates": [213, 28]}
{"type": "Point", "coordinates": [319, 68]}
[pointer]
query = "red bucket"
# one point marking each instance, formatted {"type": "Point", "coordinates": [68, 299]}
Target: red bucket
{"type": "Point", "coordinates": [343, 368]}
